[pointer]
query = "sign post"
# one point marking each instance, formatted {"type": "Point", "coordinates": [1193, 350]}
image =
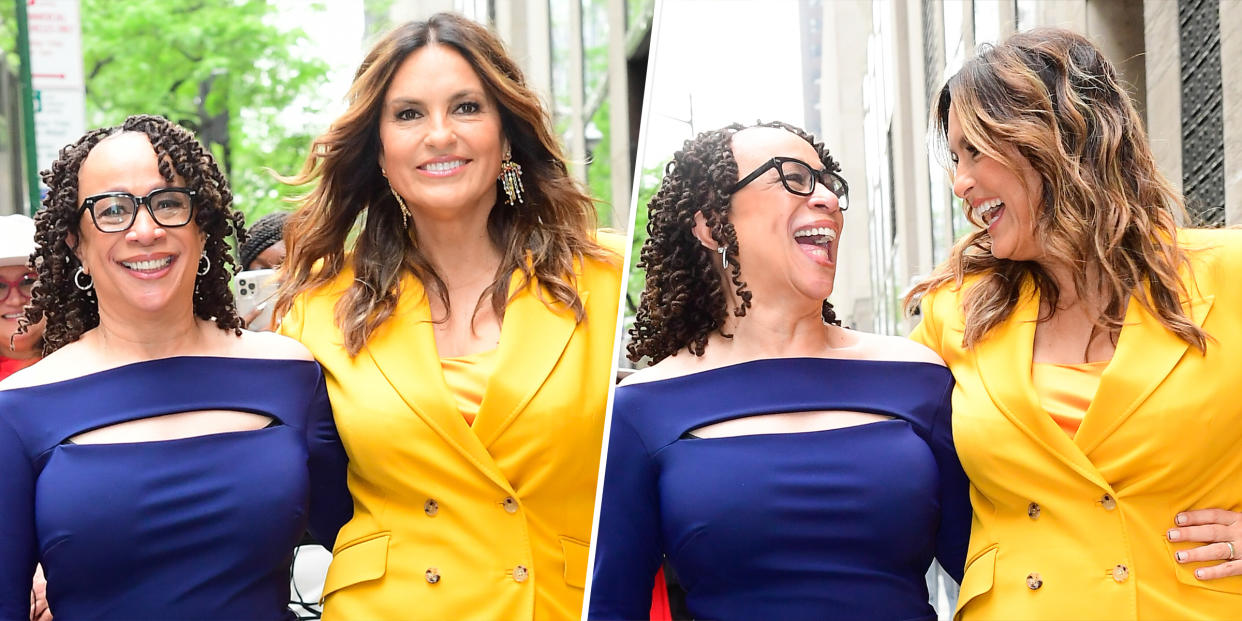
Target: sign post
{"type": "Point", "coordinates": [27, 97]}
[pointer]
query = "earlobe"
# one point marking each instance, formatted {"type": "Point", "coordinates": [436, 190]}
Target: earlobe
{"type": "Point", "coordinates": [703, 233]}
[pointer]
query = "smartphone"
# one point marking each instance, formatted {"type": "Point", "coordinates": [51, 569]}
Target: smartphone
{"type": "Point", "coordinates": [255, 291]}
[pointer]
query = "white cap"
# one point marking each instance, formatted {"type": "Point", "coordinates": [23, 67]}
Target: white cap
{"type": "Point", "coordinates": [16, 239]}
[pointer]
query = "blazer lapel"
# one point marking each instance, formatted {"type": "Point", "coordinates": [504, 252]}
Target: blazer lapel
{"type": "Point", "coordinates": [532, 339]}
{"type": "Point", "coordinates": [1146, 353]}
{"type": "Point", "coordinates": [1004, 361]}
{"type": "Point", "coordinates": [404, 351]}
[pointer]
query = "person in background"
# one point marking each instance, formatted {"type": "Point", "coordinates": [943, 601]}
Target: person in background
{"type": "Point", "coordinates": [17, 281]}
{"type": "Point", "coordinates": [466, 329]}
{"type": "Point", "coordinates": [1097, 348]}
{"type": "Point", "coordinates": [264, 247]}
{"type": "Point", "coordinates": [159, 462]}
{"type": "Point", "coordinates": [18, 351]}
{"type": "Point", "coordinates": [786, 467]}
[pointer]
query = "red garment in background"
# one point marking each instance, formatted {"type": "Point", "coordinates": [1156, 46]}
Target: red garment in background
{"type": "Point", "coordinates": [660, 610]}
{"type": "Point", "coordinates": [9, 366]}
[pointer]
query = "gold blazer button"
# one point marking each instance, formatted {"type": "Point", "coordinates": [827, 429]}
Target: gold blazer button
{"type": "Point", "coordinates": [1121, 573]}
{"type": "Point", "coordinates": [511, 504]}
{"type": "Point", "coordinates": [1032, 510]}
{"type": "Point", "coordinates": [1033, 581]}
{"type": "Point", "coordinates": [520, 574]}
{"type": "Point", "coordinates": [431, 507]}
{"type": "Point", "coordinates": [432, 575]}
{"type": "Point", "coordinates": [1108, 502]}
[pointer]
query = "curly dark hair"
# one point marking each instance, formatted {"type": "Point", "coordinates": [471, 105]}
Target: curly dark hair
{"type": "Point", "coordinates": [261, 235]}
{"type": "Point", "coordinates": [684, 300]}
{"type": "Point", "coordinates": [70, 311]}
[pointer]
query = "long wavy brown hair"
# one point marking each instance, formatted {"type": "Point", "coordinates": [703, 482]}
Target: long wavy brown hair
{"type": "Point", "coordinates": [540, 237]}
{"type": "Point", "coordinates": [685, 300]}
{"type": "Point", "coordinates": [1052, 95]}
{"type": "Point", "coordinates": [70, 311]}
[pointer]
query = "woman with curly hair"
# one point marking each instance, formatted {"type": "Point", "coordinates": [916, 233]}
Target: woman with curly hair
{"type": "Point", "coordinates": [786, 467]}
{"type": "Point", "coordinates": [1097, 349]}
{"type": "Point", "coordinates": [158, 461]}
{"type": "Point", "coordinates": [466, 331]}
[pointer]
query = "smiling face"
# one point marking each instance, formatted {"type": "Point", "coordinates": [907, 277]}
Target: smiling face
{"type": "Point", "coordinates": [787, 243]}
{"type": "Point", "coordinates": [148, 268]}
{"type": "Point", "coordinates": [996, 196]}
{"type": "Point", "coordinates": [441, 136]}
{"type": "Point", "coordinates": [25, 345]}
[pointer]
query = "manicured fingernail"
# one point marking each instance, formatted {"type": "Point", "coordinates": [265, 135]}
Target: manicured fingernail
{"type": "Point", "coordinates": [1199, 573]}
{"type": "Point", "coordinates": [1181, 557]}
{"type": "Point", "coordinates": [1174, 535]}
{"type": "Point", "coordinates": [1180, 519]}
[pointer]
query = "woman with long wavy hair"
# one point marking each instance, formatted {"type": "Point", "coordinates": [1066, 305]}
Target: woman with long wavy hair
{"type": "Point", "coordinates": [1096, 346]}
{"type": "Point", "coordinates": [446, 272]}
{"type": "Point", "coordinates": [159, 462]}
{"type": "Point", "coordinates": [786, 467]}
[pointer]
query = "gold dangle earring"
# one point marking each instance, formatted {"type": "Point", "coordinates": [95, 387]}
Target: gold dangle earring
{"type": "Point", "coordinates": [511, 179]}
{"type": "Point", "coordinates": [405, 211]}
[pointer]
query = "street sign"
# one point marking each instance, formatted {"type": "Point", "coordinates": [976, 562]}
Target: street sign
{"type": "Point", "coordinates": [56, 73]}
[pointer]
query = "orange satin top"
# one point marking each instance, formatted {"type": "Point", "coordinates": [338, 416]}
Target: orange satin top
{"type": "Point", "coordinates": [466, 377]}
{"type": "Point", "coordinates": [1066, 390]}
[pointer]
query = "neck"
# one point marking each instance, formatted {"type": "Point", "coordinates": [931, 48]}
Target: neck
{"type": "Point", "coordinates": [144, 336]}
{"type": "Point", "coordinates": [460, 251]}
{"type": "Point", "coordinates": [774, 329]}
{"type": "Point", "coordinates": [1070, 296]}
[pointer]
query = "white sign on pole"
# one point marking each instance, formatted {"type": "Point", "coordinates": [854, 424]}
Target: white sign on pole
{"type": "Point", "coordinates": [56, 72]}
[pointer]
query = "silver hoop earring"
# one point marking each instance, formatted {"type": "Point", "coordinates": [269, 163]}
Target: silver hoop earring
{"type": "Point", "coordinates": [405, 211]}
{"type": "Point", "coordinates": [724, 256]}
{"type": "Point", "coordinates": [77, 279]}
{"type": "Point", "coordinates": [511, 179]}
{"type": "Point", "coordinates": [204, 265]}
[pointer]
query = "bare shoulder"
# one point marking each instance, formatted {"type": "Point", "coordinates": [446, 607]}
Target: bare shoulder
{"type": "Point", "coordinates": [68, 362]}
{"type": "Point", "coordinates": [896, 348]}
{"type": "Point", "coordinates": [269, 346]}
{"type": "Point", "coordinates": [681, 363]}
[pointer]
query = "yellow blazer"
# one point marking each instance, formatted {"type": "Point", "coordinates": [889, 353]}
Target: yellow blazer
{"type": "Point", "coordinates": [458, 522]}
{"type": "Point", "coordinates": [1075, 528]}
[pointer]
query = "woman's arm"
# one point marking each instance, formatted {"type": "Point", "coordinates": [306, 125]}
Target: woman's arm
{"type": "Point", "coordinates": [955, 514]}
{"type": "Point", "coordinates": [330, 503]}
{"type": "Point", "coordinates": [627, 546]}
{"type": "Point", "coordinates": [17, 529]}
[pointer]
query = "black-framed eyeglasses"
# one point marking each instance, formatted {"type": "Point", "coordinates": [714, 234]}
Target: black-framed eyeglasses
{"type": "Point", "coordinates": [799, 178]}
{"type": "Point", "coordinates": [115, 212]}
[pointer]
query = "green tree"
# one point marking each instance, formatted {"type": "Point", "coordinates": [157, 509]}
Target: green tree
{"type": "Point", "coordinates": [222, 67]}
{"type": "Point", "coordinates": [647, 186]}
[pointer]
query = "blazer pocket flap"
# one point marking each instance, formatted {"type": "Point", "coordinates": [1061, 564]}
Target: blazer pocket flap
{"type": "Point", "coordinates": [575, 561]}
{"type": "Point", "coordinates": [357, 561]}
{"type": "Point", "coordinates": [1186, 572]}
{"type": "Point", "coordinates": [977, 580]}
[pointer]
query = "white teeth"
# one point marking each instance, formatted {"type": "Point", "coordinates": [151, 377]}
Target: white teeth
{"type": "Point", "coordinates": [148, 266]}
{"type": "Point", "coordinates": [12, 315]}
{"type": "Point", "coordinates": [821, 230]}
{"type": "Point", "coordinates": [989, 210]}
{"type": "Point", "coordinates": [443, 166]}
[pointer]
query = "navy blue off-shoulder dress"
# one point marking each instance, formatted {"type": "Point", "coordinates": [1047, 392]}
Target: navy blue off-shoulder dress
{"type": "Point", "coordinates": [193, 528]}
{"type": "Point", "coordinates": [834, 524]}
